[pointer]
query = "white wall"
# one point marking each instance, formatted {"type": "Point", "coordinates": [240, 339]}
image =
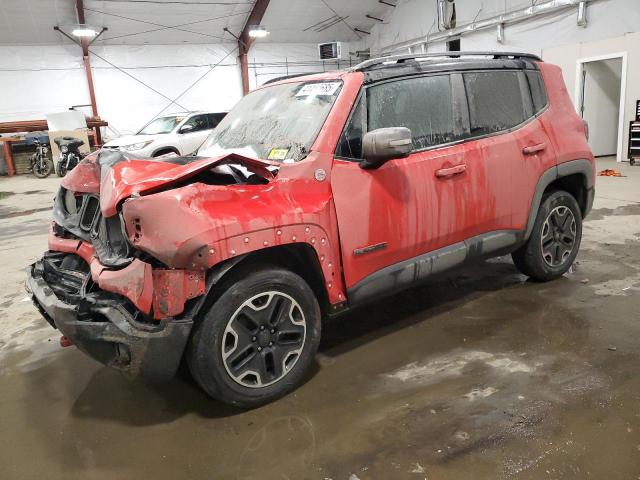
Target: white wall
{"type": "Point", "coordinates": [567, 57]}
{"type": "Point", "coordinates": [414, 19]}
{"type": "Point", "coordinates": [267, 61]}
{"type": "Point", "coordinates": [170, 69]}
{"type": "Point", "coordinates": [39, 80]}
{"type": "Point", "coordinates": [410, 19]}
{"type": "Point", "coordinates": [602, 104]}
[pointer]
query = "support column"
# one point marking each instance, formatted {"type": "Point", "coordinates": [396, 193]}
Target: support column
{"type": "Point", "coordinates": [84, 43]}
{"type": "Point", "coordinates": [245, 41]}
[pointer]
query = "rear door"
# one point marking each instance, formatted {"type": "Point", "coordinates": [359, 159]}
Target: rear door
{"type": "Point", "coordinates": [538, 154]}
{"type": "Point", "coordinates": [509, 145]}
{"type": "Point", "coordinates": [215, 119]}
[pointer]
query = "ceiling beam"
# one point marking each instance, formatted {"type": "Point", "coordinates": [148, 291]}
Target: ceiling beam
{"type": "Point", "coordinates": [245, 41]}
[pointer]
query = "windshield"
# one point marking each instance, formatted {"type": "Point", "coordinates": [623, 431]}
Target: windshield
{"type": "Point", "coordinates": [160, 125]}
{"type": "Point", "coordinates": [275, 123]}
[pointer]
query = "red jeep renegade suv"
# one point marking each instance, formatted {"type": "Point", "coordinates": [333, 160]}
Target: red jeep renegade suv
{"type": "Point", "coordinates": [314, 195]}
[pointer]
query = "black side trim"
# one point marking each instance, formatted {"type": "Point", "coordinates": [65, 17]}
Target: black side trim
{"type": "Point", "coordinates": [414, 270]}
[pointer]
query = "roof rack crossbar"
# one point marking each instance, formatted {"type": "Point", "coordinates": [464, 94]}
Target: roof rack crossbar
{"type": "Point", "coordinates": [403, 58]}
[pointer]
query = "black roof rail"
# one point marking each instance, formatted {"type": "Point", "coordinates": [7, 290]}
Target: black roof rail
{"type": "Point", "coordinates": [366, 65]}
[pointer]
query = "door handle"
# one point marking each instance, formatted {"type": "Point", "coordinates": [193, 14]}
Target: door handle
{"type": "Point", "coordinates": [533, 149]}
{"type": "Point", "coordinates": [449, 172]}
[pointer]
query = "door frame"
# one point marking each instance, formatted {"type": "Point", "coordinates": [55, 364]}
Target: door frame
{"type": "Point", "coordinates": [578, 94]}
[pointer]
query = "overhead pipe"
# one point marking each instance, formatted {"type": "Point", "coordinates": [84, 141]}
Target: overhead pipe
{"type": "Point", "coordinates": [514, 16]}
{"type": "Point", "coordinates": [500, 33]}
{"type": "Point", "coordinates": [582, 14]}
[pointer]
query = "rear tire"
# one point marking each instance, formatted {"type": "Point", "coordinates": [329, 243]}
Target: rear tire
{"type": "Point", "coordinates": [555, 240]}
{"type": "Point", "coordinates": [258, 339]}
{"type": "Point", "coordinates": [62, 169]}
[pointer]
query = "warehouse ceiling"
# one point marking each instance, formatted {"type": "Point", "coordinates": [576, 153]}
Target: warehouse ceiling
{"type": "Point", "coordinates": [139, 22]}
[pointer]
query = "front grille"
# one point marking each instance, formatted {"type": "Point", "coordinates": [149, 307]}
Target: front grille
{"type": "Point", "coordinates": [66, 274]}
{"type": "Point", "coordinates": [89, 211]}
{"type": "Point", "coordinates": [107, 235]}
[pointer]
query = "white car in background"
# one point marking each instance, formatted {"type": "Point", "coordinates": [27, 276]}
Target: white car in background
{"type": "Point", "coordinates": [179, 133]}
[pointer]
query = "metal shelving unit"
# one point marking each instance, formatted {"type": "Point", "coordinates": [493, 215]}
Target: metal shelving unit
{"type": "Point", "coordinates": [634, 137]}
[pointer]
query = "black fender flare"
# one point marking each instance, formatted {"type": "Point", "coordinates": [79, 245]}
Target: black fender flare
{"type": "Point", "coordinates": [572, 167]}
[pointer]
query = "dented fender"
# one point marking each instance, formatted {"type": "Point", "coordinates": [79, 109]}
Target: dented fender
{"type": "Point", "coordinates": [198, 226]}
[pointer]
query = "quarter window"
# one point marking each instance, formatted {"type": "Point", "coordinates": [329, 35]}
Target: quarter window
{"type": "Point", "coordinates": [422, 104]}
{"type": "Point", "coordinates": [538, 92]}
{"type": "Point", "coordinates": [495, 101]}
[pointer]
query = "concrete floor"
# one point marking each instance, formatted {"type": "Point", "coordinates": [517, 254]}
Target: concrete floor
{"type": "Point", "coordinates": [480, 376]}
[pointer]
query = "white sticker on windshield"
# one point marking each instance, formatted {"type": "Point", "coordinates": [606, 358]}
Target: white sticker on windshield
{"type": "Point", "coordinates": [324, 88]}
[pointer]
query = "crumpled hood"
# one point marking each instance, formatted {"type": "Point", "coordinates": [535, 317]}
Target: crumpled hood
{"type": "Point", "coordinates": [121, 175]}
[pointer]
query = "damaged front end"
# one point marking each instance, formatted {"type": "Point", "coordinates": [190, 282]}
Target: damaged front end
{"type": "Point", "coordinates": [116, 302]}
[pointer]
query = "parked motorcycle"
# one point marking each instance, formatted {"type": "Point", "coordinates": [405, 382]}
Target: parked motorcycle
{"type": "Point", "coordinates": [70, 154]}
{"type": "Point", "coordinates": [41, 164]}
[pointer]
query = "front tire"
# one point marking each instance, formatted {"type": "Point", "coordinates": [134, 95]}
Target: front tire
{"type": "Point", "coordinates": [42, 167]}
{"type": "Point", "coordinates": [258, 340]}
{"type": "Point", "coordinates": [555, 240]}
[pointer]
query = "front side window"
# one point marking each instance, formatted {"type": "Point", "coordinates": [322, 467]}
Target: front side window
{"type": "Point", "coordinates": [278, 122]}
{"type": "Point", "coordinates": [160, 125]}
{"type": "Point", "coordinates": [197, 122]}
{"type": "Point", "coordinates": [495, 101]}
{"type": "Point", "coordinates": [350, 145]}
{"type": "Point", "coordinates": [422, 104]}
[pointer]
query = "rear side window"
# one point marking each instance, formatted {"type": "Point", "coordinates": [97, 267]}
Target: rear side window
{"type": "Point", "coordinates": [422, 104]}
{"type": "Point", "coordinates": [495, 101]}
{"type": "Point", "coordinates": [215, 119]}
{"type": "Point", "coordinates": [538, 92]}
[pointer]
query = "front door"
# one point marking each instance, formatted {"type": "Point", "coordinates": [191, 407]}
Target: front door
{"type": "Point", "coordinates": [408, 206]}
{"type": "Point", "coordinates": [191, 140]}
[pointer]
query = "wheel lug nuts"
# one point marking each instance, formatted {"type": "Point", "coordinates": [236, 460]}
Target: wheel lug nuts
{"type": "Point", "coordinates": [270, 344]}
{"type": "Point", "coordinates": [262, 327]}
{"type": "Point", "coordinates": [259, 349]}
{"type": "Point", "coordinates": [273, 330]}
{"type": "Point", "coordinates": [253, 339]}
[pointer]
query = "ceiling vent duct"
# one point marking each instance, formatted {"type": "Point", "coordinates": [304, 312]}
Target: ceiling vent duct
{"type": "Point", "coordinates": [364, 54]}
{"type": "Point", "coordinates": [330, 51]}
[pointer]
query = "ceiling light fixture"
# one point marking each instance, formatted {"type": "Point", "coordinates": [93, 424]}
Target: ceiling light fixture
{"type": "Point", "coordinates": [258, 31]}
{"type": "Point", "coordinates": [84, 31]}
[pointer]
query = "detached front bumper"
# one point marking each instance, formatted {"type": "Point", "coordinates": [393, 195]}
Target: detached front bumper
{"type": "Point", "coordinates": [108, 332]}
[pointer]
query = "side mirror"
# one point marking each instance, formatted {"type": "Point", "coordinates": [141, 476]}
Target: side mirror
{"type": "Point", "coordinates": [186, 129]}
{"type": "Point", "coordinates": [384, 144]}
